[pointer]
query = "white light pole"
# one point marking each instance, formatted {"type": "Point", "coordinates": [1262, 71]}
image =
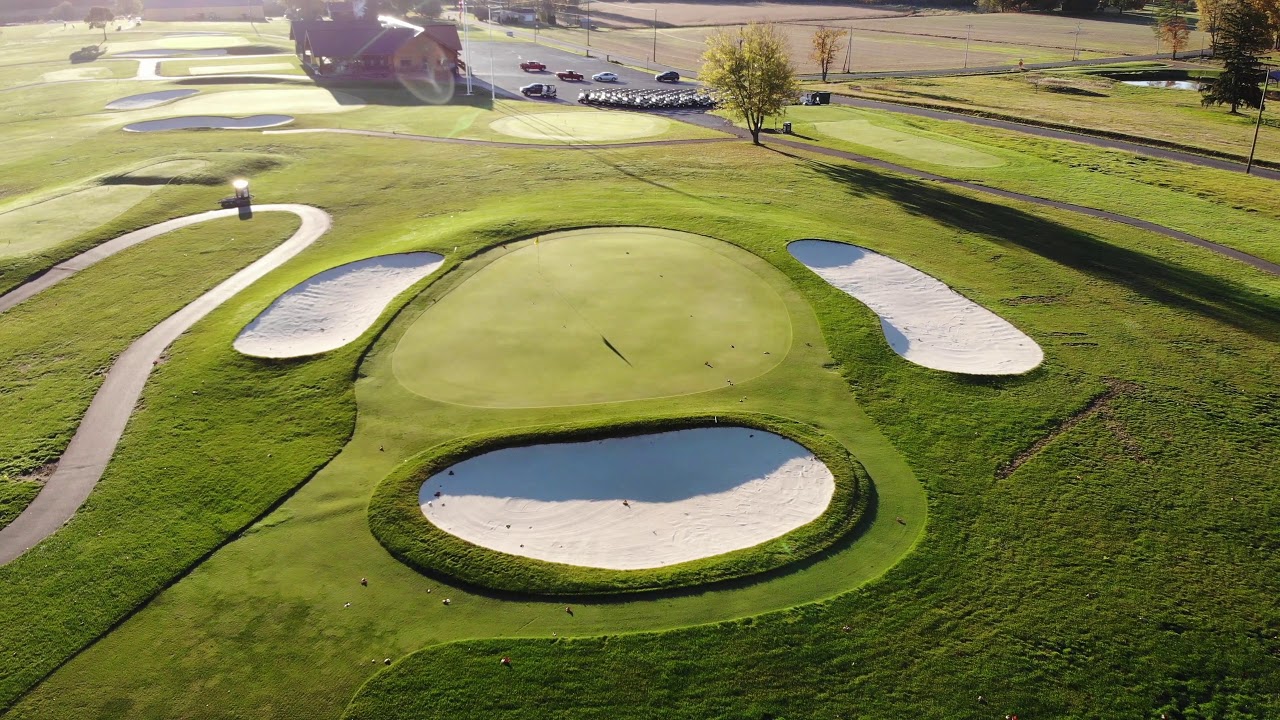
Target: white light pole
{"type": "Point", "coordinates": [588, 25]}
{"type": "Point", "coordinates": [466, 45]}
{"type": "Point", "coordinates": [968, 33]}
{"type": "Point", "coordinates": [655, 36]}
{"type": "Point", "coordinates": [1075, 52]}
{"type": "Point", "coordinates": [493, 83]}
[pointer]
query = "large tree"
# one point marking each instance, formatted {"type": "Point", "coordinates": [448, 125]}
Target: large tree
{"type": "Point", "coordinates": [1271, 8]}
{"type": "Point", "coordinates": [1171, 25]}
{"type": "Point", "coordinates": [65, 11]}
{"type": "Point", "coordinates": [129, 8]}
{"type": "Point", "coordinates": [827, 44]}
{"type": "Point", "coordinates": [99, 16]}
{"type": "Point", "coordinates": [424, 8]}
{"type": "Point", "coordinates": [1242, 36]}
{"type": "Point", "coordinates": [750, 70]}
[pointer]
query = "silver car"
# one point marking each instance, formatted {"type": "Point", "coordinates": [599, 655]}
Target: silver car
{"type": "Point", "coordinates": [605, 77]}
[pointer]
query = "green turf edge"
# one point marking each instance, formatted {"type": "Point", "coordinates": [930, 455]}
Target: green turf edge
{"type": "Point", "coordinates": [396, 519]}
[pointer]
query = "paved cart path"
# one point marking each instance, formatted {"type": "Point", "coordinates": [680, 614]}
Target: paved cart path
{"type": "Point", "coordinates": [95, 440]}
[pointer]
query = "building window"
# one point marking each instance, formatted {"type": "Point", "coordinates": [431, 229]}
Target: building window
{"type": "Point", "coordinates": [405, 62]}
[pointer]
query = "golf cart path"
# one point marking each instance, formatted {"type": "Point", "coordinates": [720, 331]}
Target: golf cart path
{"type": "Point", "coordinates": [1045, 132]}
{"type": "Point", "coordinates": [1256, 262]}
{"type": "Point", "coordinates": [95, 440]}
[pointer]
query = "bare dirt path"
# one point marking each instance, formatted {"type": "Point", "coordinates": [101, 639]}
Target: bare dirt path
{"type": "Point", "coordinates": [91, 448]}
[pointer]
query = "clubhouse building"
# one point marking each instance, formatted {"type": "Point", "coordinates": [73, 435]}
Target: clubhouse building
{"type": "Point", "coordinates": [366, 49]}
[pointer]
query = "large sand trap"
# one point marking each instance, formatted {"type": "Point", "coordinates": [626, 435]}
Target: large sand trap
{"type": "Point", "coordinates": [690, 494]}
{"type": "Point", "coordinates": [148, 100]}
{"type": "Point", "coordinates": [924, 321]}
{"type": "Point", "coordinates": [596, 126]}
{"type": "Point", "coordinates": [331, 309]}
{"type": "Point", "coordinates": [209, 122]}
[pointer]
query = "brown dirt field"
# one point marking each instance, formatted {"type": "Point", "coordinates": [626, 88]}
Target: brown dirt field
{"type": "Point", "coordinates": [690, 14]}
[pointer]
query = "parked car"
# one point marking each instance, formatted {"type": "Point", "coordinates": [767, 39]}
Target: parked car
{"type": "Point", "coordinates": [532, 66]}
{"type": "Point", "coordinates": [568, 75]}
{"type": "Point", "coordinates": [668, 76]}
{"type": "Point", "coordinates": [605, 77]}
{"type": "Point", "coordinates": [544, 90]}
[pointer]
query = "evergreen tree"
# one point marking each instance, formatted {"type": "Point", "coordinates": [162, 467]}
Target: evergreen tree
{"type": "Point", "coordinates": [1242, 36]}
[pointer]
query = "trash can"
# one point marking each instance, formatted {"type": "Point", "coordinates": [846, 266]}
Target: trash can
{"type": "Point", "coordinates": [786, 128]}
{"type": "Point", "coordinates": [822, 97]}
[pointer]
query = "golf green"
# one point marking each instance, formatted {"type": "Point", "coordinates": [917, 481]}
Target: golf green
{"type": "Point", "coordinates": [597, 315]}
{"type": "Point", "coordinates": [910, 145]}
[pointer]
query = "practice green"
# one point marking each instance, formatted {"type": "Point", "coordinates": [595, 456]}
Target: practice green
{"type": "Point", "coordinates": [597, 315]}
{"type": "Point", "coordinates": [580, 126]}
{"type": "Point", "coordinates": [909, 145]}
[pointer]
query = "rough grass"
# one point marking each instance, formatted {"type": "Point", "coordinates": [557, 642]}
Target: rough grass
{"type": "Point", "coordinates": [395, 516]}
{"type": "Point", "coordinates": [1174, 116]}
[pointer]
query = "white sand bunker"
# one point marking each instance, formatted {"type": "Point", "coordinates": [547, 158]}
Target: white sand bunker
{"type": "Point", "coordinates": [924, 321]}
{"type": "Point", "coordinates": [151, 99]}
{"type": "Point", "coordinates": [632, 502]}
{"type": "Point", "coordinates": [329, 310]}
{"type": "Point", "coordinates": [209, 122]}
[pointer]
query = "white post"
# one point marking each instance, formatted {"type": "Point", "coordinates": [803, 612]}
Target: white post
{"type": "Point", "coordinates": [466, 44]}
{"type": "Point", "coordinates": [493, 83]}
{"type": "Point", "coordinates": [968, 33]}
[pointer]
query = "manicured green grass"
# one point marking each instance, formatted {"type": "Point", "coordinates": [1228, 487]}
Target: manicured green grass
{"type": "Point", "coordinates": [396, 518]}
{"type": "Point", "coordinates": [14, 496]}
{"type": "Point", "coordinates": [598, 126]}
{"type": "Point", "coordinates": [1092, 103]}
{"type": "Point", "coordinates": [912, 146]}
{"type": "Point", "coordinates": [1126, 570]}
{"type": "Point", "coordinates": [283, 65]}
{"type": "Point", "coordinates": [600, 315]}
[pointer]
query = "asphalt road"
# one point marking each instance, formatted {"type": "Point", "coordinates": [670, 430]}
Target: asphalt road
{"type": "Point", "coordinates": [91, 448]}
{"type": "Point", "coordinates": [509, 78]}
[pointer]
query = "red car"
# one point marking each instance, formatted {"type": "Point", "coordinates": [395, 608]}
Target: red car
{"type": "Point", "coordinates": [568, 75]}
{"type": "Point", "coordinates": [532, 66]}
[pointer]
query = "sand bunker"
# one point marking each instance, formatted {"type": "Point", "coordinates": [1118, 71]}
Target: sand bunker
{"type": "Point", "coordinates": [917, 146]}
{"type": "Point", "coordinates": [924, 321]}
{"type": "Point", "coordinates": [688, 494]}
{"type": "Point", "coordinates": [151, 99]}
{"type": "Point", "coordinates": [329, 310]}
{"type": "Point", "coordinates": [209, 122]}
{"type": "Point", "coordinates": [581, 126]}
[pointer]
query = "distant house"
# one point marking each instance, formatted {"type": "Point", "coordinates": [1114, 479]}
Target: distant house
{"type": "Point", "coordinates": [516, 15]}
{"type": "Point", "coordinates": [358, 48]}
{"type": "Point", "coordinates": [178, 10]}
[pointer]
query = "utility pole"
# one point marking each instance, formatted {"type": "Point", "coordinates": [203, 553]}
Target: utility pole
{"type": "Point", "coordinates": [1075, 52]}
{"type": "Point", "coordinates": [848, 51]}
{"type": "Point", "coordinates": [655, 36]}
{"type": "Point", "coordinates": [968, 34]}
{"type": "Point", "coordinates": [588, 25]}
{"type": "Point", "coordinates": [1265, 84]}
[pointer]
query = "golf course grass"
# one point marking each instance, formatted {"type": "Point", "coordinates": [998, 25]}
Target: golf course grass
{"type": "Point", "coordinates": [599, 126]}
{"type": "Point", "coordinates": [913, 146]}
{"type": "Point", "coordinates": [599, 315]}
{"type": "Point", "coordinates": [1092, 539]}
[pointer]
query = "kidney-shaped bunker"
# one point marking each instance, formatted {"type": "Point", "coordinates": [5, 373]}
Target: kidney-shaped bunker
{"type": "Point", "coordinates": [627, 503]}
{"type": "Point", "coordinates": [209, 122]}
{"type": "Point", "coordinates": [330, 309]}
{"type": "Point", "coordinates": [924, 321]}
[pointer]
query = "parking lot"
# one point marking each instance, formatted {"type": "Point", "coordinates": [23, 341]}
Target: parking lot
{"type": "Point", "coordinates": [501, 61]}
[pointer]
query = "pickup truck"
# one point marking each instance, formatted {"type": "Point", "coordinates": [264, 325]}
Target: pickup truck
{"type": "Point", "coordinates": [542, 90]}
{"type": "Point", "coordinates": [568, 75]}
{"type": "Point", "coordinates": [532, 66]}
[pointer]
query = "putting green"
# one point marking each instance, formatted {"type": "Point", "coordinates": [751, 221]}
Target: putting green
{"type": "Point", "coordinates": [599, 315]}
{"type": "Point", "coordinates": [910, 145]}
{"type": "Point", "coordinates": [179, 42]}
{"type": "Point", "coordinates": [595, 126]}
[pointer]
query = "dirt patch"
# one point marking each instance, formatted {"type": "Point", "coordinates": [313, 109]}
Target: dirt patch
{"type": "Point", "coordinates": [1099, 404]}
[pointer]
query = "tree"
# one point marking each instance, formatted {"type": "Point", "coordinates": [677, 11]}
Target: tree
{"type": "Point", "coordinates": [827, 44]}
{"type": "Point", "coordinates": [424, 8]}
{"type": "Point", "coordinates": [1171, 25]}
{"type": "Point", "coordinates": [99, 16]}
{"type": "Point", "coordinates": [66, 12]}
{"type": "Point", "coordinates": [1271, 9]}
{"type": "Point", "coordinates": [129, 8]}
{"type": "Point", "coordinates": [308, 9]}
{"type": "Point", "coordinates": [1242, 36]}
{"type": "Point", "coordinates": [751, 72]}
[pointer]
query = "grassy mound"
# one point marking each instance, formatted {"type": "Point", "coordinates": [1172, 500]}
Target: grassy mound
{"type": "Point", "coordinates": [597, 315]}
{"type": "Point", "coordinates": [396, 518]}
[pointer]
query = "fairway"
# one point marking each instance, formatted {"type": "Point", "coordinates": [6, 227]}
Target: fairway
{"type": "Point", "coordinates": [581, 126]}
{"type": "Point", "coordinates": [598, 315]}
{"type": "Point", "coordinates": [908, 145]}
{"type": "Point", "coordinates": [43, 225]}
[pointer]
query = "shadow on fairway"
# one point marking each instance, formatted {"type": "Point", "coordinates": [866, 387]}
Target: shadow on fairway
{"type": "Point", "coordinates": [1152, 277]}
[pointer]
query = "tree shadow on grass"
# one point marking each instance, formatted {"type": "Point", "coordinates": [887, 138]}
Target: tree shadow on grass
{"type": "Point", "coordinates": [1152, 277]}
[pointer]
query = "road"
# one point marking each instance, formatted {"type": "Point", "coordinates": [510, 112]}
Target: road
{"type": "Point", "coordinates": [91, 448]}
